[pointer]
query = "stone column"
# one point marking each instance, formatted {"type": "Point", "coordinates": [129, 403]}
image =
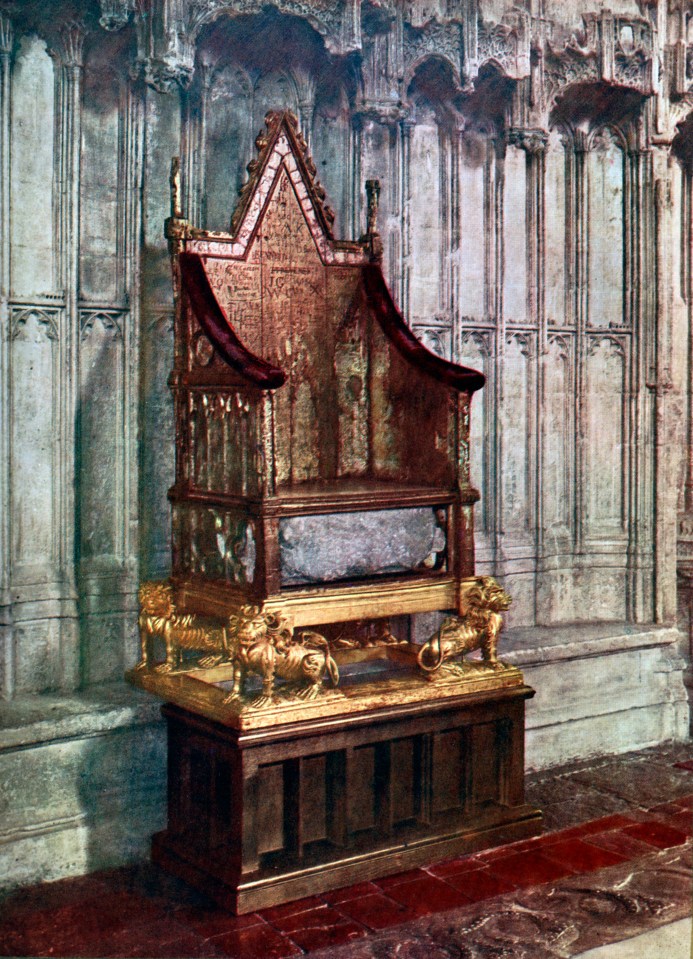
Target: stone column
{"type": "Point", "coordinates": [162, 141]}
{"type": "Point", "coordinates": [578, 224]}
{"type": "Point", "coordinates": [407, 125]}
{"type": "Point", "coordinates": [453, 301]}
{"type": "Point", "coordinates": [641, 314]}
{"type": "Point", "coordinates": [6, 639]}
{"type": "Point", "coordinates": [69, 54]}
{"type": "Point", "coordinates": [495, 260]}
{"type": "Point", "coordinates": [305, 88]}
{"type": "Point", "coordinates": [533, 142]}
{"type": "Point", "coordinates": [133, 142]}
{"type": "Point", "coordinates": [660, 385]}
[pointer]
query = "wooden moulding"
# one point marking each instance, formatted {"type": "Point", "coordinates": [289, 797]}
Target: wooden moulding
{"type": "Point", "coordinates": [262, 817]}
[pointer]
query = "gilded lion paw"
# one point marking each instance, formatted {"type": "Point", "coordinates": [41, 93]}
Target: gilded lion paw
{"type": "Point", "coordinates": [308, 692]}
{"type": "Point", "coordinates": [261, 701]}
{"type": "Point", "coordinates": [208, 661]}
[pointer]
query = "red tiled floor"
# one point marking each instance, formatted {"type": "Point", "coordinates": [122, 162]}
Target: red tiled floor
{"type": "Point", "coordinates": [213, 921]}
{"type": "Point", "coordinates": [500, 852]}
{"type": "Point", "coordinates": [454, 867]}
{"type": "Point", "coordinates": [683, 822]}
{"type": "Point", "coordinates": [387, 882]}
{"type": "Point", "coordinates": [320, 928]}
{"type": "Point", "coordinates": [350, 892]}
{"type": "Point", "coordinates": [480, 884]}
{"type": "Point", "coordinates": [322, 915]}
{"type": "Point", "coordinates": [619, 842]}
{"type": "Point", "coordinates": [61, 929]}
{"type": "Point", "coordinates": [528, 869]}
{"type": "Point", "coordinates": [656, 834]}
{"type": "Point", "coordinates": [377, 911]}
{"type": "Point", "coordinates": [158, 939]}
{"type": "Point", "coordinates": [52, 895]}
{"type": "Point", "coordinates": [580, 856]}
{"type": "Point", "coordinates": [427, 894]}
{"type": "Point", "coordinates": [591, 828]}
{"type": "Point", "coordinates": [256, 942]}
{"type": "Point", "coordinates": [140, 911]}
{"type": "Point", "coordinates": [275, 914]}
{"type": "Point", "coordinates": [666, 809]}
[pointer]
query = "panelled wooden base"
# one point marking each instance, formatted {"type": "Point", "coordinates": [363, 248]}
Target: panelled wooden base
{"type": "Point", "coordinates": [261, 818]}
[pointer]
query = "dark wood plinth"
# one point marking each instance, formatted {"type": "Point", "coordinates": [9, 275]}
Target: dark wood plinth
{"type": "Point", "coordinates": [260, 818]}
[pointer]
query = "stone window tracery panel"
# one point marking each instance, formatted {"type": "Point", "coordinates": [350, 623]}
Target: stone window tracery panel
{"type": "Point", "coordinates": [34, 492]}
{"type": "Point", "coordinates": [606, 372]}
{"type": "Point", "coordinates": [32, 251]}
{"type": "Point", "coordinates": [475, 349]}
{"type": "Point", "coordinates": [559, 437]}
{"type": "Point", "coordinates": [228, 142]}
{"type": "Point", "coordinates": [425, 159]}
{"type": "Point", "coordinates": [517, 432]}
{"type": "Point", "coordinates": [474, 161]}
{"type": "Point", "coordinates": [515, 235]}
{"type": "Point", "coordinates": [555, 232]}
{"type": "Point", "coordinates": [606, 203]}
{"type": "Point", "coordinates": [101, 181]}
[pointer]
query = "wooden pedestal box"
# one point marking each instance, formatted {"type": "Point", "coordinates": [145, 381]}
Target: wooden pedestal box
{"type": "Point", "coordinates": [263, 817]}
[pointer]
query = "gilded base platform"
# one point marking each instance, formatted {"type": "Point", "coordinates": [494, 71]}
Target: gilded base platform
{"type": "Point", "coordinates": [383, 676]}
{"type": "Point", "coordinates": [263, 814]}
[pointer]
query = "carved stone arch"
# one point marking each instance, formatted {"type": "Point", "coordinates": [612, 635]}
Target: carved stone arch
{"type": "Point", "coordinates": [237, 73]}
{"type": "Point", "coordinates": [487, 102]}
{"type": "Point", "coordinates": [254, 36]}
{"type": "Point", "coordinates": [203, 16]}
{"type": "Point", "coordinates": [566, 132]}
{"type": "Point", "coordinates": [600, 131]}
{"type": "Point", "coordinates": [682, 145]}
{"type": "Point", "coordinates": [494, 64]}
{"type": "Point", "coordinates": [418, 64]}
{"type": "Point", "coordinates": [596, 105]}
{"type": "Point", "coordinates": [276, 76]}
{"type": "Point", "coordinates": [480, 339]}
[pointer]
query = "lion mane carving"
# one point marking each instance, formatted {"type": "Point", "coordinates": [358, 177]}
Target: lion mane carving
{"type": "Point", "coordinates": [158, 617]}
{"type": "Point", "coordinates": [479, 628]}
{"type": "Point", "coordinates": [265, 644]}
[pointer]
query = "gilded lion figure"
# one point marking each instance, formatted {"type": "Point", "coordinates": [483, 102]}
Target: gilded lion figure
{"type": "Point", "coordinates": [478, 628]}
{"type": "Point", "coordinates": [158, 617]}
{"type": "Point", "coordinates": [265, 644]}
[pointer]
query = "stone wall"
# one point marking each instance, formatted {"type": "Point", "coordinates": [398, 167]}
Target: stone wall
{"type": "Point", "coordinates": [536, 172]}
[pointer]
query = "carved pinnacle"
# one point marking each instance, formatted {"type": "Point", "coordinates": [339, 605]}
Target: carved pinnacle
{"type": "Point", "coordinates": [174, 182]}
{"type": "Point", "coordinates": [373, 194]}
{"type": "Point", "coordinates": [6, 34]}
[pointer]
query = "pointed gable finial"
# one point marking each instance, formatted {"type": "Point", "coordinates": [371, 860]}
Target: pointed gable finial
{"type": "Point", "coordinates": [276, 122]}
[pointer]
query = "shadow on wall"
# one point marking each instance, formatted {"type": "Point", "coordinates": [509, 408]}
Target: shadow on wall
{"type": "Point", "coordinates": [122, 793]}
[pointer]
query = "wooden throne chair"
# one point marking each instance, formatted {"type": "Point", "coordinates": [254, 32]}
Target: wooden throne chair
{"type": "Point", "coordinates": [322, 497]}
